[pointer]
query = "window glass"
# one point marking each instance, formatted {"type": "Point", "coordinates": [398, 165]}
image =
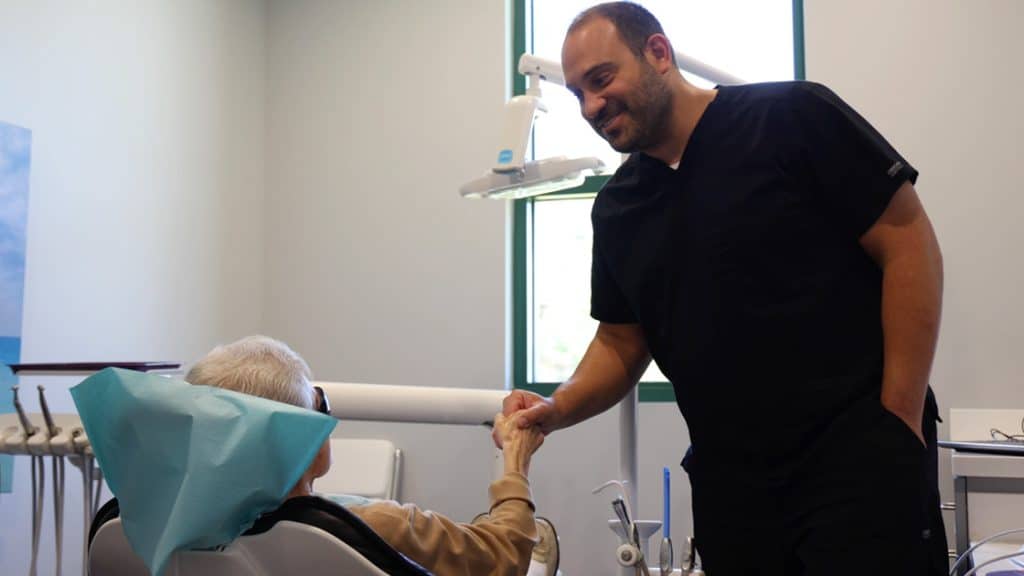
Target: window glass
{"type": "Point", "coordinates": [562, 325]}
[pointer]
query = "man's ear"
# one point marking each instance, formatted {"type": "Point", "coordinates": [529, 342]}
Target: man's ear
{"type": "Point", "coordinates": [658, 52]}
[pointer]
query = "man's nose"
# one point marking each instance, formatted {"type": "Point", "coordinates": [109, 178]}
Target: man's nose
{"type": "Point", "coordinates": [592, 106]}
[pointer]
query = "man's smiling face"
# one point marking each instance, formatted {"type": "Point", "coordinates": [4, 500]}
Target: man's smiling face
{"type": "Point", "coordinates": [621, 95]}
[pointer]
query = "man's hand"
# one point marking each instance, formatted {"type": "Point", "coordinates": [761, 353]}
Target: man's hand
{"type": "Point", "coordinates": [911, 420]}
{"type": "Point", "coordinates": [525, 410]}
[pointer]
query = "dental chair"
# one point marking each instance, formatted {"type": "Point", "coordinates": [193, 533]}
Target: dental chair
{"type": "Point", "coordinates": [305, 535]}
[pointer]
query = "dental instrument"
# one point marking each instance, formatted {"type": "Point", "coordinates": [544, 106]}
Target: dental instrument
{"type": "Point", "coordinates": [665, 554]}
{"type": "Point", "coordinates": [25, 424]}
{"type": "Point", "coordinates": [32, 440]}
{"type": "Point", "coordinates": [620, 510]}
{"type": "Point", "coordinates": [630, 553]}
{"type": "Point", "coordinates": [690, 560]}
{"type": "Point", "coordinates": [633, 534]}
{"type": "Point", "coordinates": [51, 427]}
{"type": "Point", "coordinates": [55, 437]}
{"type": "Point", "coordinates": [59, 436]}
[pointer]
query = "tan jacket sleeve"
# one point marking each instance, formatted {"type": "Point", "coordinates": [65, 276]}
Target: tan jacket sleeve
{"type": "Point", "coordinates": [499, 545]}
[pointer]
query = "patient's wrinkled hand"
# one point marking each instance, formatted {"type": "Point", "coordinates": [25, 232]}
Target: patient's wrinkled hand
{"type": "Point", "coordinates": [518, 443]}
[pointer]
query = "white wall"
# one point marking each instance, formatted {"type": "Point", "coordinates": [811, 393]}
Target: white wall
{"type": "Point", "coordinates": [145, 233]}
{"type": "Point", "coordinates": [941, 80]}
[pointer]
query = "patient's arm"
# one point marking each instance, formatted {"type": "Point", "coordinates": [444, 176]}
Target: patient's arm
{"type": "Point", "coordinates": [498, 545]}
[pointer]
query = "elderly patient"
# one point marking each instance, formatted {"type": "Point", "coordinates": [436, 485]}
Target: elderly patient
{"type": "Point", "coordinates": [500, 542]}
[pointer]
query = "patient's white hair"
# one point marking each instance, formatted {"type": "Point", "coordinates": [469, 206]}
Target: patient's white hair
{"type": "Point", "coordinates": [260, 366]}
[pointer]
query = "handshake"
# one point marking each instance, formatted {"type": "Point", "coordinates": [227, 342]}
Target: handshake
{"type": "Point", "coordinates": [520, 428]}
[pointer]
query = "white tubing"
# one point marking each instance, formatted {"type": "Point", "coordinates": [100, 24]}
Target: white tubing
{"type": "Point", "coordinates": [993, 561]}
{"type": "Point", "coordinates": [98, 477]}
{"type": "Point", "coordinates": [38, 486]}
{"type": "Point", "coordinates": [967, 553]}
{"type": "Point", "coordinates": [58, 508]}
{"type": "Point", "coordinates": [86, 501]}
{"type": "Point", "coordinates": [420, 404]}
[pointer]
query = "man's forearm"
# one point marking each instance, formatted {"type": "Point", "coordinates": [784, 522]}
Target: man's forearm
{"type": "Point", "coordinates": [607, 372]}
{"type": "Point", "coordinates": [911, 309]}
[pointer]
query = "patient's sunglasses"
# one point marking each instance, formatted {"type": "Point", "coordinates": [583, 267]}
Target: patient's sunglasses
{"type": "Point", "coordinates": [323, 406]}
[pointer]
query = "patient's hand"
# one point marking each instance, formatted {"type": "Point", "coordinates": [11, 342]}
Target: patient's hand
{"type": "Point", "coordinates": [519, 443]}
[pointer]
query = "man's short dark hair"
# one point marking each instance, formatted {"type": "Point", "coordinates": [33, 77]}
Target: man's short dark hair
{"type": "Point", "coordinates": [634, 23]}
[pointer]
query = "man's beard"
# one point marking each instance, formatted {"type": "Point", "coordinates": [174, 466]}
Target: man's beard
{"type": "Point", "coordinates": [648, 109]}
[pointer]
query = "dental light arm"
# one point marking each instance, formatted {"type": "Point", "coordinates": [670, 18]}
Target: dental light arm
{"type": "Point", "coordinates": [512, 176]}
{"type": "Point", "coordinates": [535, 67]}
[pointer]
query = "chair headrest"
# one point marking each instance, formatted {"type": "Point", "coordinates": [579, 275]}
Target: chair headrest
{"type": "Point", "coordinates": [345, 526]}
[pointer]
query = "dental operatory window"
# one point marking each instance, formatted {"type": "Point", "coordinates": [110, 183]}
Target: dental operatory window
{"type": "Point", "coordinates": [756, 40]}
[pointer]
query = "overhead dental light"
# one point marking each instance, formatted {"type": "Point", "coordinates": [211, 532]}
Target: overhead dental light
{"type": "Point", "coordinates": [512, 176]}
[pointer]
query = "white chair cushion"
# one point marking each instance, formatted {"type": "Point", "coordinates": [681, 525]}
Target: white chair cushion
{"type": "Point", "coordinates": [361, 467]}
{"type": "Point", "coordinates": [288, 548]}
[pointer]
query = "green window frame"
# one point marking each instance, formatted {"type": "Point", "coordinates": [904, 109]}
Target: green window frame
{"type": "Point", "coordinates": [522, 217]}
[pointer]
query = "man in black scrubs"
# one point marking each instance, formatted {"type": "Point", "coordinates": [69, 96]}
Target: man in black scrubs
{"type": "Point", "coordinates": [766, 247]}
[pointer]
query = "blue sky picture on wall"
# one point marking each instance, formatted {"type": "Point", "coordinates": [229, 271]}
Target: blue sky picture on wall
{"type": "Point", "coordinates": [15, 162]}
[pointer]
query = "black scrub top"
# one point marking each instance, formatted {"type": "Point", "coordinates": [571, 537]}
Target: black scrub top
{"type": "Point", "coordinates": [743, 266]}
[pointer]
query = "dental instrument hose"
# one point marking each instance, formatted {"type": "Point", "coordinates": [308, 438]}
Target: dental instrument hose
{"type": "Point", "coordinates": [58, 508]}
{"type": "Point", "coordinates": [993, 561]}
{"type": "Point", "coordinates": [86, 505]}
{"type": "Point", "coordinates": [38, 489]}
{"type": "Point", "coordinates": [967, 553]}
{"type": "Point", "coordinates": [38, 482]}
{"type": "Point", "coordinates": [58, 479]}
